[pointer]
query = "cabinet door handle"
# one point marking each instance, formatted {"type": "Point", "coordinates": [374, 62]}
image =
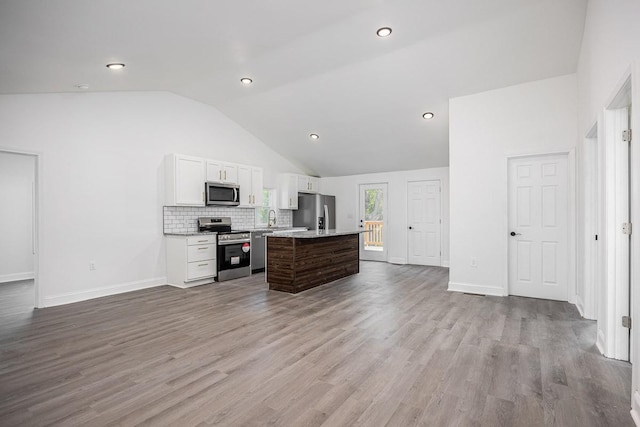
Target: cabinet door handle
{"type": "Point", "coordinates": [225, 175]}
{"type": "Point", "coordinates": [219, 175]}
{"type": "Point", "coordinates": [202, 249]}
{"type": "Point", "coordinates": [202, 241]}
{"type": "Point", "coordinates": [202, 265]}
{"type": "Point", "coordinates": [203, 199]}
{"type": "Point", "coordinates": [289, 201]}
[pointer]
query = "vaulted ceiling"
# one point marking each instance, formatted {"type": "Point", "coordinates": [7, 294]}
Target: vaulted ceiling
{"type": "Point", "coordinates": [317, 66]}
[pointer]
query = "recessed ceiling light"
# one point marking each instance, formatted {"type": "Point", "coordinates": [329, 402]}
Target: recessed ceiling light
{"type": "Point", "coordinates": [246, 81]}
{"type": "Point", "coordinates": [82, 86]}
{"type": "Point", "coordinates": [115, 66]}
{"type": "Point", "coordinates": [384, 32]}
{"type": "Point", "coordinates": [314, 136]}
{"type": "Point", "coordinates": [428, 116]}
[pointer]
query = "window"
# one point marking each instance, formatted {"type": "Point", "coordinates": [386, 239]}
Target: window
{"type": "Point", "coordinates": [268, 203]}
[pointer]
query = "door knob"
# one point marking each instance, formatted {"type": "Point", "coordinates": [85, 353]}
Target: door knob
{"type": "Point", "coordinates": [513, 233]}
{"type": "Point", "coordinates": [410, 228]}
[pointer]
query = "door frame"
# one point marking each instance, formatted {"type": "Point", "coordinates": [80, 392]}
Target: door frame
{"type": "Point", "coordinates": [571, 216]}
{"type": "Point", "coordinates": [385, 251]}
{"type": "Point", "coordinates": [407, 213]}
{"type": "Point", "coordinates": [37, 225]}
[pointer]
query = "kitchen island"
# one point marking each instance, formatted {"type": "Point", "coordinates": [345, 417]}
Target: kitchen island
{"type": "Point", "coordinates": [297, 261]}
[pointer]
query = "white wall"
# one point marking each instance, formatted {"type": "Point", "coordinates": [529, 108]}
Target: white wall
{"type": "Point", "coordinates": [484, 129]}
{"type": "Point", "coordinates": [611, 44]}
{"type": "Point", "coordinates": [346, 190]}
{"type": "Point", "coordinates": [17, 176]}
{"type": "Point", "coordinates": [103, 180]}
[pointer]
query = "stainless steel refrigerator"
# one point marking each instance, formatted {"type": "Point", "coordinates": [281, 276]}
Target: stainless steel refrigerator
{"type": "Point", "coordinates": [315, 211]}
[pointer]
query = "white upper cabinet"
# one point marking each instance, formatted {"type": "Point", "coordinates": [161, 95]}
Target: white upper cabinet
{"type": "Point", "coordinates": [185, 177]}
{"type": "Point", "coordinates": [308, 184]}
{"type": "Point", "coordinates": [288, 191]}
{"type": "Point", "coordinates": [257, 183]}
{"type": "Point", "coordinates": [223, 172]}
{"type": "Point", "coordinates": [250, 181]}
{"type": "Point", "coordinates": [290, 184]}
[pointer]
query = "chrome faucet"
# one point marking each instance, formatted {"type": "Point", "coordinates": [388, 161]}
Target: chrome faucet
{"type": "Point", "coordinates": [272, 221]}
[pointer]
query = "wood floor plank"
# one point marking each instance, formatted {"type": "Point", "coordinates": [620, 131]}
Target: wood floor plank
{"type": "Point", "coordinates": [389, 346]}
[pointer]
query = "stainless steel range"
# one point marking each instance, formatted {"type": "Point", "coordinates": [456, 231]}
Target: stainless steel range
{"type": "Point", "coordinates": [234, 248]}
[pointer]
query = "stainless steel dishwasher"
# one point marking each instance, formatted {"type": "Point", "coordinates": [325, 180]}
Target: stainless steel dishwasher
{"type": "Point", "coordinates": [258, 249]}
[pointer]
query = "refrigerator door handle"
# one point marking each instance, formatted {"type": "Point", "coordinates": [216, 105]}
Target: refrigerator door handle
{"type": "Point", "coordinates": [326, 218]}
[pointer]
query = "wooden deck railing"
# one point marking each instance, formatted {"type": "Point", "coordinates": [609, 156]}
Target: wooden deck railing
{"type": "Point", "coordinates": [373, 235]}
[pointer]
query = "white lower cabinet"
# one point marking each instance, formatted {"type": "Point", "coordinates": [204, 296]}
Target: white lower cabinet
{"type": "Point", "coordinates": [201, 269]}
{"type": "Point", "coordinates": [191, 260]}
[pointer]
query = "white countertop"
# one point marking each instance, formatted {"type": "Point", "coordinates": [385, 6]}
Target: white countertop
{"type": "Point", "coordinates": [314, 234]}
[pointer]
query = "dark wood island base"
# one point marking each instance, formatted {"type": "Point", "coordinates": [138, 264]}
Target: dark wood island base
{"type": "Point", "coordinates": [297, 264]}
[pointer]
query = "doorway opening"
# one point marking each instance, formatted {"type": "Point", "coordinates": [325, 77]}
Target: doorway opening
{"type": "Point", "coordinates": [373, 217]}
{"type": "Point", "coordinates": [18, 226]}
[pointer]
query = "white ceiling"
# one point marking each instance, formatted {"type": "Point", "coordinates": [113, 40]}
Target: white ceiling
{"type": "Point", "coordinates": [317, 66]}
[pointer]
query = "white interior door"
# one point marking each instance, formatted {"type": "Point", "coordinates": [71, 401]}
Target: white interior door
{"type": "Point", "coordinates": [373, 217]}
{"type": "Point", "coordinates": [424, 222]}
{"type": "Point", "coordinates": [538, 227]}
{"type": "Point", "coordinates": [616, 291]}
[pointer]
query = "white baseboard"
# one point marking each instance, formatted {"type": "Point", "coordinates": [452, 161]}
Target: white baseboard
{"type": "Point", "coordinates": [580, 305]}
{"type": "Point", "coordinates": [635, 408]}
{"type": "Point", "coordinates": [14, 277]}
{"type": "Point", "coordinates": [600, 342]}
{"type": "Point", "coordinates": [397, 260]}
{"type": "Point", "coordinates": [476, 289]}
{"type": "Point", "coordinates": [72, 297]}
{"type": "Point", "coordinates": [445, 263]}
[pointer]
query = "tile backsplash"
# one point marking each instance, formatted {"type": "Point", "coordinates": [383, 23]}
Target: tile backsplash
{"type": "Point", "coordinates": [184, 219]}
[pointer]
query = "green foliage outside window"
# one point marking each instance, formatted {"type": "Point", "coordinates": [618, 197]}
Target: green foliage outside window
{"type": "Point", "coordinates": [374, 203]}
{"type": "Point", "coordinates": [268, 203]}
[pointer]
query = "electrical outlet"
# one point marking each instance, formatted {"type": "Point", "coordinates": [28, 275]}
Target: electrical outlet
{"type": "Point", "coordinates": [92, 265]}
{"type": "Point", "coordinates": [474, 262]}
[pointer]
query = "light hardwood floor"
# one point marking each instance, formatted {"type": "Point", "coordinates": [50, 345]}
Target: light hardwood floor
{"type": "Point", "coordinates": [389, 346]}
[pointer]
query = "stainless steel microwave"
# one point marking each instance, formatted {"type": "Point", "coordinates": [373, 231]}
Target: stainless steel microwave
{"type": "Point", "coordinates": [222, 194]}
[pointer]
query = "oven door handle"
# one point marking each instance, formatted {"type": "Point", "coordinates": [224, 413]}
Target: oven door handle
{"type": "Point", "coordinates": [233, 243]}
